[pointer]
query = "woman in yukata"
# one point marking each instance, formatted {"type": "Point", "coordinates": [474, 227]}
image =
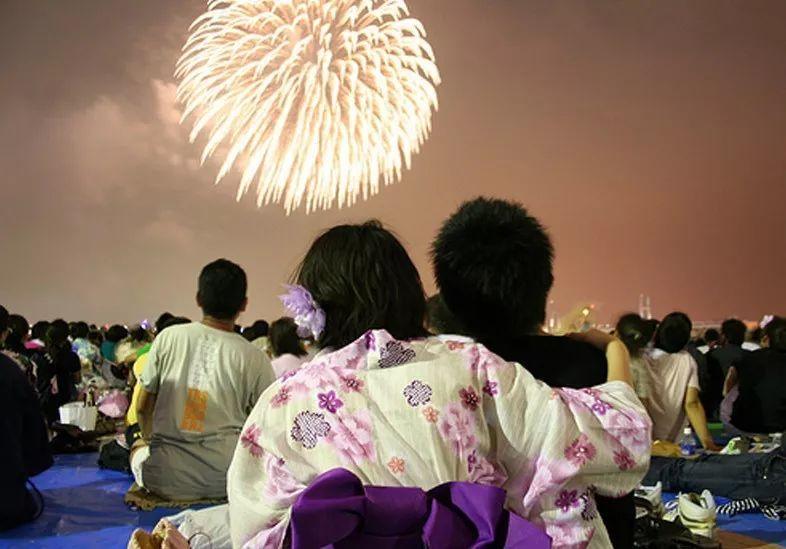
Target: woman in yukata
{"type": "Point", "coordinates": [384, 405]}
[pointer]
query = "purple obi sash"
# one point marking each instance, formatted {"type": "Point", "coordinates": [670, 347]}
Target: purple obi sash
{"type": "Point", "coordinates": [336, 510]}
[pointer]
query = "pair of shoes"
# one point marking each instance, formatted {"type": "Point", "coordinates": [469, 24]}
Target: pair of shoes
{"type": "Point", "coordinates": [653, 495]}
{"type": "Point", "coordinates": [697, 512]}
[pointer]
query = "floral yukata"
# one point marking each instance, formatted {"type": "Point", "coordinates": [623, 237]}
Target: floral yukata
{"type": "Point", "coordinates": [429, 411]}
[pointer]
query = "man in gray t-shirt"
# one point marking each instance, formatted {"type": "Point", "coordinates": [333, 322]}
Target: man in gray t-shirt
{"type": "Point", "coordinates": [200, 382]}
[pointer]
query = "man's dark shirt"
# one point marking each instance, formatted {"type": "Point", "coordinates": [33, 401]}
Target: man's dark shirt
{"type": "Point", "coordinates": [564, 362]}
{"type": "Point", "coordinates": [718, 362]}
{"type": "Point", "coordinates": [761, 404]}
{"type": "Point", "coordinates": [25, 444]}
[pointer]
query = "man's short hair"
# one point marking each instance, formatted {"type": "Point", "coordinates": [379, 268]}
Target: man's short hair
{"type": "Point", "coordinates": [493, 265]}
{"type": "Point", "coordinates": [222, 289]}
{"type": "Point", "coordinates": [733, 331]}
{"type": "Point", "coordinates": [673, 332]}
{"type": "Point", "coordinates": [80, 330]}
{"type": "Point", "coordinates": [776, 333]}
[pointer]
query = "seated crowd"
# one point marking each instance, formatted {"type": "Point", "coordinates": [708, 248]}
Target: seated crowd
{"type": "Point", "coordinates": [369, 377]}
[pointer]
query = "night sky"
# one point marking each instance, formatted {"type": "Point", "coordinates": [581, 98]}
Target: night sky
{"type": "Point", "coordinates": [648, 136]}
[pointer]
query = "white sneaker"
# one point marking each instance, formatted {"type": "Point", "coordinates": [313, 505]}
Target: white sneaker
{"type": "Point", "coordinates": [698, 513]}
{"type": "Point", "coordinates": [653, 494]}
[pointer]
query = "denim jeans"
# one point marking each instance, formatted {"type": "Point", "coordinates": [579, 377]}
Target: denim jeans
{"type": "Point", "coordinates": [760, 476]}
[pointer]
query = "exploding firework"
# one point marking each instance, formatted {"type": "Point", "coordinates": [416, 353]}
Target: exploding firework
{"type": "Point", "coordinates": [314, 99]}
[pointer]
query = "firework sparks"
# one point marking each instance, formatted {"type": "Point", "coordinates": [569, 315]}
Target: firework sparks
{"type": "Point", "coordinates": [316, 100]}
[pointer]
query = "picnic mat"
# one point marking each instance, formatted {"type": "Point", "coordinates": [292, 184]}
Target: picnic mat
{"type": "Point", "coordinates": [84, 507]}
{"type": "Point", "coordinates": [142, 499]}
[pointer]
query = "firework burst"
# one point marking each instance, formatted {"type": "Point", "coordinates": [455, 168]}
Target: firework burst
{"type": "Point", "coordinates": [315, 100]}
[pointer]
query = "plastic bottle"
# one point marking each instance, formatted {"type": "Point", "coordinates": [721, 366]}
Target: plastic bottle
{"type": "Point", "coordinates": [687, 442]}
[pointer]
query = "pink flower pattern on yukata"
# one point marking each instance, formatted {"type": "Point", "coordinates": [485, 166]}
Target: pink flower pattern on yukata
{"type": "Point", "coordinates": [250, 440]}
{"type": "Point", "coordinates": [352, 384]}
{"type": "Point", "coordinates": [624, 460]}
{"type": "Point", "coordinates": [545, 477]}
{"type": "Point", "coordinates": [490, 388]}
{"type": "Point", "coordinates": [280, 484]}
{"type": "Point", "coordinates": [352, 437]}
{"type": "Point", "coordinates": [457, 427]}
{"type": "Point", "coordinates": [280, 398]}
{"type": "Point", "coordinates": [600, 407]}
{"type": "Point", "coordinates": [308, 428]}
{"type": "Point", "coordinates": [588, 510]}
{"type": "Point", "coordinates": [417, 393]}
{"type": "Point", "coordinates": [482, 471]}
{"type": "Point", "coordinates": [431, 414]}
{"type": "Point", "coordinates": [631, 430]}
{"type": "Point", "coordinates": [455, 345]}
{"type": "Point", "coordinates": [318, 375]}
{"type": "Point", "coordinates": [329, 401]}
{"type": "Point", "coordinates": [396, 465]}
{"type": "Point", "coordinates": [469, 398]}
{"type": "Point", "coordinates": [567, 499]}
{"type": "Point", "coordinates": [394, 353]}
{"type": "Point", "coordinates": [581, 451]}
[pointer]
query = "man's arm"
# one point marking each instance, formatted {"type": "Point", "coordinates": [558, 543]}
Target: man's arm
{"type": "Point", "coordinates": [698, 419]}
{"type": "Point", "coordinates": [145, 406]}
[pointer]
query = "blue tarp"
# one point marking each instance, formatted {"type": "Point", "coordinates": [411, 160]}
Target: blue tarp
{"type": "Point", "coordinates": [84, 508]}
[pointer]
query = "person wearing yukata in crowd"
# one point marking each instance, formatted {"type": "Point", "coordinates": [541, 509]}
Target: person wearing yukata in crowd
{"type": "Point", "coordinates": [394, 407]}
{"type": "Point", "coordinates": [493, 265]}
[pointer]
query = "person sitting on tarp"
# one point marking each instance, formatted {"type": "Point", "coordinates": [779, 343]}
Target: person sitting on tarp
{"type": "Point", "coordinates": [25, 442]}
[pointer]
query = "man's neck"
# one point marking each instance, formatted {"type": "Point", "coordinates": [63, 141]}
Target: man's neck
{"type": "Point", "coordinates": [219, 324]}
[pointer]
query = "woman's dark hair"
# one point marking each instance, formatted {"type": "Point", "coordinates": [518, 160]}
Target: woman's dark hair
{"type": "Point", "coordinates": [493, 265]}
{"type": "Point", "coordinates": [39, 330]}
{"type": "Point", "coordinates": [711, 335]}
{"type": "Point", "coordinates": [439, 318]}
{"type": "Point", "coordinates": [363, 279]}
{"type": "Point", "coordinates": [284, 339]}
{"type": "Point", "coordinates": [776, 333]}
{"type": "Point", "coordinates": [57, 338]}
{"type": "Point", "coordinates": [139, 334]}
{"type": "Point", "coordinates": [634, 332]}
{"type": "Point", "coordinates": [162, 319]}
{"type": "Point", "coordinates": [18, 328]}
{"type": "Point", "coordinates": [673, 332]}
{"type": "Point", "coordinates": [95, 337]}
{"type": "Point", "coordinates": [3, 319]}
{"type": "Point", "coordinates": [222, 289]}
{"type": "Point", "coordinates": [174, 321]}
{"type": "Point", "coordinates": [116, 333]}
{"type": "Point", "coordinates": [79, 330]}
{"type": "Point", "coordinates": [258, 329]}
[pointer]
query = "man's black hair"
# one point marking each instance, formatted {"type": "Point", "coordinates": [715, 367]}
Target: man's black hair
{"type": "Point", "coordinates": [733, 331]}
{"type": "Point", "coordinates": [222, 289]}
{"type": "Point", "coordinates": [39, 330]}
{"type": "Point", "coordinates": [711, 335]}
{"type": "Point", "coordinates": [162, 319]}
{"type": "Point", "coordinates": [116, 332]}
{"type": "Point", "coordinates": [363, 279]}
{"type": "Point", "coordinates": [493, 265]}
{"type": "Point", "coordinates": [79, 330]}
{"type": "Point", "coordinates": [673, 332]}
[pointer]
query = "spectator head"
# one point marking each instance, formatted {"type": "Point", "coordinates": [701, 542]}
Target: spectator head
{"type": "Point", "coordinates": [733, 331]}
{"type": "Point", "coordinates": [711, 336]}
{"type": "Point", "coordinates": [138, 334]}
{"type": "Point", "coordinates": [363, 279]}
{"type": "Point", "coordinates": [258, 329]}
{"type": "Point", "coordinates": [61, 325]}
{"type": "Point", "coordinates": [174, 321]}
{"type": "Point", "coordinates": [80, 330]}
{"type": "Point", "coordinates": [3, 323]}
{"type": "Point", "coordinates": [493, 265]}
{"type": "Point", "coordinates": [39, 330]}
{"type": "Point", "coordinates": [757, 335]}
{"type": "Point", "coordinates": [284, 339]}
{"type": "Point", "coordinates": [673, 332]}
{"type": "Point", "coordinates": [162, 319]}
{"type": "Point", "coordinates": [18, 333]}
{"type": "Point", "coordinates": [634, 332]}
{"type": "Point", "coordinates": [439, 319]}
{"type": "Point", "coordinates": [95, 337]}
{"type": "Point", "coordinates": [57, 337]}
{"type": "Point", "coordinates": [776, 333]}
{"type": "Point", "coordinates": [116, 333]}
{"type": "Point", "coordinates": [222, 290]}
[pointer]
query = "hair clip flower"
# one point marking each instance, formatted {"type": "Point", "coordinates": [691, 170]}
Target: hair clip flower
{"type": "Point", "coordinates": [310, 319]}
